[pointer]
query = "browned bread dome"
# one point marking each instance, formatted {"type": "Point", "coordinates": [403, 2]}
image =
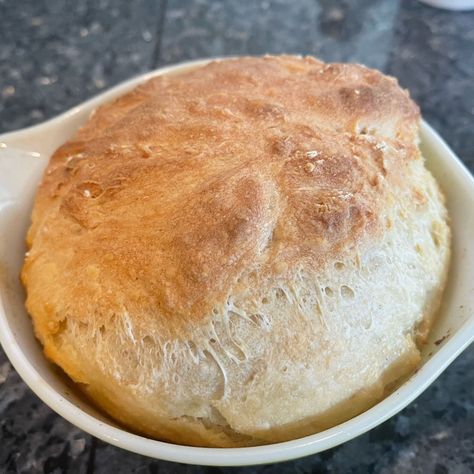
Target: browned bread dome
{"type": "Point", "coordinates": [239, 254]}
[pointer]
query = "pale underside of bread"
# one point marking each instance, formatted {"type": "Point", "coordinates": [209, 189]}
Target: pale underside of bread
{"type": "Point", "coordinates": [242, 254]}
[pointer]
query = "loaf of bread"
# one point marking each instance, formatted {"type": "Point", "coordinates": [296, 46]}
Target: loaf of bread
{"type": "Point", "coordinates": [244, 253]}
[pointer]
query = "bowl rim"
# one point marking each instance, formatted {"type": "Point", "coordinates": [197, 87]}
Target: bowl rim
{"type": "Point", "coordinates": [276, 452]}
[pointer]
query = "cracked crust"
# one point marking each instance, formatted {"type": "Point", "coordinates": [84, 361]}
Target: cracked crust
{"type": "Point", "coordinates": [180, 208]}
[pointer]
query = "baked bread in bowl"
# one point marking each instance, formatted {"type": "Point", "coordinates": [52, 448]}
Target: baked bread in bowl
{"type": "Point", "coordinates": [241, 254]}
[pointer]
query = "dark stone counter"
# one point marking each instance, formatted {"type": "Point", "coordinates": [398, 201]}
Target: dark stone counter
{"type": "Point", "coordinates": [54, 54]}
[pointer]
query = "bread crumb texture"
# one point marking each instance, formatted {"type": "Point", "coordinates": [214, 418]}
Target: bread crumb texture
{"type": "Point", "coordinates": [240, 254]}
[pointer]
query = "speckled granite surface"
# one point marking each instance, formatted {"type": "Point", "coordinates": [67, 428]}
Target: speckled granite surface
{"type": "Point", "coordinates": [54, 54]}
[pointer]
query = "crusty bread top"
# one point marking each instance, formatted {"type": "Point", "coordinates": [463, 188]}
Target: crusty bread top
{"type": "Point", "coordinates": [173, 191]}
{"type": "Point", "coordinates": [240, 254]}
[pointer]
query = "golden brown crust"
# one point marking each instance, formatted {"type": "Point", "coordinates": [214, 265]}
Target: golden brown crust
{"type": "Point", "coordinates": [168, 194]}
{"type": "Point", "coordinates": [240, 254]}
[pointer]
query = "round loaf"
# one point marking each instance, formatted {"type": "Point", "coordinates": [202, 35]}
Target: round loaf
{"type": "Point", "coordinates": [240, 254]}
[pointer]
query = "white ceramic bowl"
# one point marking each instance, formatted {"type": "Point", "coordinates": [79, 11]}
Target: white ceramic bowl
{"type": "Point", "coordinates": [457, 5]}
{"type": "Point", "coordinates": [23, 157]}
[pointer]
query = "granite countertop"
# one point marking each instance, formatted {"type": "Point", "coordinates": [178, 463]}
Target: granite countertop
{"type": "Point", "coordinates": [54, 54]}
